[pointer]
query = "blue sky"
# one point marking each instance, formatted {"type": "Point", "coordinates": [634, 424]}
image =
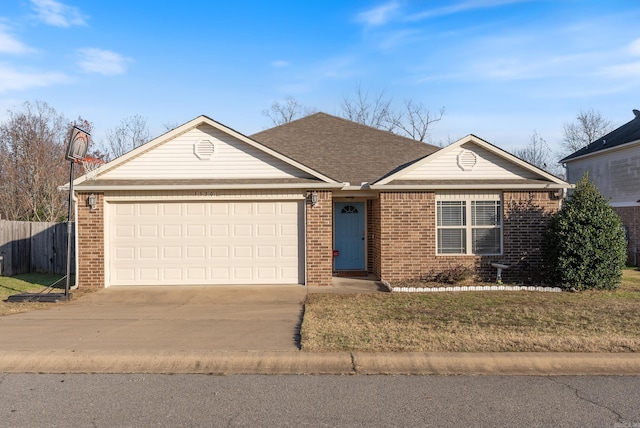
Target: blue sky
{"type": "Point", "coordinates": [501, 68]}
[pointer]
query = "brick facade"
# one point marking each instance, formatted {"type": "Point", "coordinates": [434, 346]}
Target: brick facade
{"type": "Point", "coordinates": [401, 236]}
{"type": "Point", "coordinates": [526, 215]}
{"type": "Point", "coordinates": [90, 242]}
{"type": "Point", "coordinates": [630, 217]}
{"type": "Point", "coordinates": [406, 222]}
{"type": "Point", "coordinates": [319, 230]}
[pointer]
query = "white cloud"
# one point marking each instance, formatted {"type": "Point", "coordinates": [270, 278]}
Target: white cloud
{"type": "Point", "coordinates": [102, 61]}
{"type": "Point", "coordinates": [379, 15]}
{"type": "Point", "coordinates": [9, 44]}
{"type": "Point", "coordinates": [20, 80]}
{"type": "Point", "coordinates": [280, 63]}
{"type": "Point", "coordinates": [58, 14]}
{"type": "Point", "coordinates": [630, 70]}
{"type": "Point", "coordinates": [461, 7]}
{"type": "Point", "coordinates": [634, 47]}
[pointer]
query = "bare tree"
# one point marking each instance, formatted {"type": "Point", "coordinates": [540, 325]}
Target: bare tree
{"type": "Point", "coordinates": [170, 126]}
{"type": "Point", "coordinates": [32, 164]}
{"type": "Point", "coordinates": [376, 110]}
{"type": "Point", "coordinates": [286, 111]}
{"type": "Point", "coordinates": [131, 133]}
{"type": "Point", "coordinates": [538, 153]}
{"type": "Point", "coordinates": [371, 110]}
{"type": "Point", "coordinates": [414, 122]}
{"type": "Point", "coordinates": [589, 126]}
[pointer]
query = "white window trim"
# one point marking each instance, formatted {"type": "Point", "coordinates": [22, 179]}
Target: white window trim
{"type": "Point", "coordinates": [468, 198]}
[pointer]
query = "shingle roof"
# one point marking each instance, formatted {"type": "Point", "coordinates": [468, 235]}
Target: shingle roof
{"type": "Point", "coordinates": [343, 150]}
{"type": "Point", "coordinates": [627, 133]}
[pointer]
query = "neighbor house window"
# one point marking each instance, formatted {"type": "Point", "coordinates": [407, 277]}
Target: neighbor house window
{"type": "Point", "coordinates": [469, 225]}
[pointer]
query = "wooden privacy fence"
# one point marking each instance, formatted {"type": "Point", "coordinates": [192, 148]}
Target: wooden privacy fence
{"type": "Point", "coordinates": [41, 247]}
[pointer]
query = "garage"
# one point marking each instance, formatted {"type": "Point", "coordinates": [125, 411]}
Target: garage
{"type": "Point", "coordinates": [205, 242]}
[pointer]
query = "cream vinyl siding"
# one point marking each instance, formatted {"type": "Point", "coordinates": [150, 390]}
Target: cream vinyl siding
{"type": "Point", "coordinates": [616, 173]}
{"type": "Point", "coordinates": [488, 166]}
{"type": "Point", "coordinates": [205, 243]}
{"type": "Point", "coordinates": [176, 159]}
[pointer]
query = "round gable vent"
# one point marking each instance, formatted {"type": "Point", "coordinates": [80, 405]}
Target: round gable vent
{"type": "Point", "coordinates": [467, 160]}
{"type": "Point", "coordinates": [204, 149]}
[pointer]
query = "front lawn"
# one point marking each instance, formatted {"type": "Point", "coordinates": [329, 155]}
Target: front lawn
{"type": "Point", "coordinates": [591, 321]}
{"type": "Point", "coordinates": [29, 282]}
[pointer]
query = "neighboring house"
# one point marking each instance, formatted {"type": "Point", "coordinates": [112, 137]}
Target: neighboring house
{"type": "Point", "coordinates": [298, 203]}
{"type": "Point", "coordinates": [613, 163]}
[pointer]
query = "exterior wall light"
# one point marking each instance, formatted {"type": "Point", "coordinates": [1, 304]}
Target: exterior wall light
{"type": "Point", "coordinates": [92, 201]}
{"type": "Point", "coordinates": [314, 199]}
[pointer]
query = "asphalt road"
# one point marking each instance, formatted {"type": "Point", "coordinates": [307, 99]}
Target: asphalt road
{"type": "Point", "coordinates": [76, 400]}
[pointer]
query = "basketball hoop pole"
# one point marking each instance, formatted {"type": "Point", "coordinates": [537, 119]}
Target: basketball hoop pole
{"type": "Point", "coordinates": [76, 150]}
{"type": "Point", "coordinates": [69, 230]}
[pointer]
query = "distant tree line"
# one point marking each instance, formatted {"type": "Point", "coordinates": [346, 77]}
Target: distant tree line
{"type": "Point", "coordinates": [33, 143]}
{"type": "Point", "coordinates": [588, 126]}
{"type": "Point", "coordinates": [377, 110]}
{"type": "Point", "coordinates": [413, 120]}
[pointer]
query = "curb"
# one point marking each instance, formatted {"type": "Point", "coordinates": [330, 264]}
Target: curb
{"type": "Point", "coordinates": [335, 363]}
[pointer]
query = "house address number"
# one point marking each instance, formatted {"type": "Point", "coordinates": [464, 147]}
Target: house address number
{"type": "Point", "coordinates": [205, 193]}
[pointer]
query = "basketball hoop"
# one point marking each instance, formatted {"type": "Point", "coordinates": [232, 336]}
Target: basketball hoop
{"type": "Point", "coordinates": [90, 166]}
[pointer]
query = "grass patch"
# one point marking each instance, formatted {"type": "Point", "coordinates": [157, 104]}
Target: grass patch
{"type": "Point", "coordinates": [29, 283]}
{"type": "Point", "coordinates": [590, 321]}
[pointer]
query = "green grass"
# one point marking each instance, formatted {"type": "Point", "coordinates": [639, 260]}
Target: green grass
{"type": "Point", "coordinates": [29, 282]}
{"type": "Point", "coordinates": [593, 321]}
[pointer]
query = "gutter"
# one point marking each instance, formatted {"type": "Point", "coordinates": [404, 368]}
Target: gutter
{"type": "Point", "coordinates": [302, 186]}
{"type": "Point", "coordinates": [550, 186]}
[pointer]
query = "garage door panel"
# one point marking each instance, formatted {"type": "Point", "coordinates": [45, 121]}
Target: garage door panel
{"type": "Point", "coordinates": [171, 231]}
{"type": "Point", "coordinates": [195, 209]}
{"type": "Point", "coordinates": [219, 230]}
{"type": "Point", "coordinates": [148, 209]}
{"type": "Point", "coordinates": [205, 243]}
{"type": "Point", "coordinates": [125, 231]}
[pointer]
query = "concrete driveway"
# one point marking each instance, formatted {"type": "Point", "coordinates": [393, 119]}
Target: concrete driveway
{"type": "Point", "coordinates": [163, 319]}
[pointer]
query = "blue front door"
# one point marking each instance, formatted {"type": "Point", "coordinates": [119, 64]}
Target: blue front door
{"type": "Point", "coordinates": [349, 236]}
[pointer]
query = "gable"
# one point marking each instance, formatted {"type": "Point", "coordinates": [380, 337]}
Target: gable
{"type": "Point", "coordinates": [466, 162]}
{"type": "Point", "coordinates": [471, 162]}
{"type": "Point", "coordinates": [203, 152]}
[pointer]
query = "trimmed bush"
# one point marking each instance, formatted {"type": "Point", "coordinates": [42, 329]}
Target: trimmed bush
{"type": "Point", "coordinates": [585, 241]}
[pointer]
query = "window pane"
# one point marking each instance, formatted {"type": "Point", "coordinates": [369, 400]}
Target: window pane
{"type": "Point", "coordinates": [451, 213]}
{"type": "Point", "coordinates": [452, 241]}
{"type": "Point", "coordinates": [486, 241]}
{"type": "Point", "coordinates": [485, 213]}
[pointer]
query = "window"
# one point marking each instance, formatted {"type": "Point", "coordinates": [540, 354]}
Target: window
{"type": "Point", "coordinates": [469, 226]}
{"type": "Point", "coordinates": [349, 209]}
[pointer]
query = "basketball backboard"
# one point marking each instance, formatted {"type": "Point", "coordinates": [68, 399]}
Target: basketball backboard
{"type": "Point", "coordinates": [78, 145]}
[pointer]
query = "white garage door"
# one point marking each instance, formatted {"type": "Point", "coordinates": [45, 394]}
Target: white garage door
{"type": "Point", "coordinates": [176, 243]}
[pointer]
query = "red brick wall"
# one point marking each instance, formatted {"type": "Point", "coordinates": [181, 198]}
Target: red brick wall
{"type": "Point", "coordinates": [408, 233]}
{"type": "Point", "coordinates": [630, 217]}
{"type": "Point", "coordinates": [90, 242]}
{"type": "Point", "coordinates": [374, 262]}
{"type": "Point", "coordinates": [526, 215]}
{"type": "Point", "coordinates": [319, 232]}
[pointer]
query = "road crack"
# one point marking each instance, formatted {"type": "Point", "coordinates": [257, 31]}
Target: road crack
{"type": "Point", "coordinates": [577, 392]}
